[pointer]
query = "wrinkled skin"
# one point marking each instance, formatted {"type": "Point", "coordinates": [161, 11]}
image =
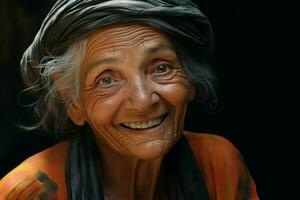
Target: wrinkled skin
{"type": "Point", "coordinates": [131, 73]}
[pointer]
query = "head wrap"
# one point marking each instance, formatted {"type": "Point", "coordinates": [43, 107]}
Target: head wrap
{"type": "Point", "coordinates": [70, 20]}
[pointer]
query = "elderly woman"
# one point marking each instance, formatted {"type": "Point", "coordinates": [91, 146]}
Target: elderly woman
{"type": "Point", "coordinates": [115, 77]}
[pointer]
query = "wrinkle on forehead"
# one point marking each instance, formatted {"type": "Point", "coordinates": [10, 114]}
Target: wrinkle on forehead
{"type": "Point", "coordinates": [123, 36]}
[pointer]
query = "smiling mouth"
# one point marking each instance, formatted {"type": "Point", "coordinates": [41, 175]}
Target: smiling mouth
{"type": "Point", "coordinates": [145, 125]}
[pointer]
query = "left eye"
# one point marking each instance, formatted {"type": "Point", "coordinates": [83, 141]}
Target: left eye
{"type": "Point", "coordinates": [163, 68]}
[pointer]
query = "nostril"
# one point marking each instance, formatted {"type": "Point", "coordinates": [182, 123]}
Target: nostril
{"type": "Point", "coordinates": [141, 95]}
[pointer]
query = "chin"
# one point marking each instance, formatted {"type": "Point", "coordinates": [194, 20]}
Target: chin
{"type": "Point", "coordinates": [153, 149]}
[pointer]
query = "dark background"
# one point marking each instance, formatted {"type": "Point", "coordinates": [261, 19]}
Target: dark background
{"type": "Point", "coordinates": [256, 64]}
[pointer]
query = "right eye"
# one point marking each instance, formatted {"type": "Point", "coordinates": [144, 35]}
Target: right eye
{"type": "Point", "coordinates": [106, 81]}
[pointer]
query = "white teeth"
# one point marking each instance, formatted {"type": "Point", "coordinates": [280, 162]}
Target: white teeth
{"type": "Point", "coordinates": [143, 125]}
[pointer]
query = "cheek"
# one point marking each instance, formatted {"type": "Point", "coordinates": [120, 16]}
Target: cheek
{"type": "Point", "coordinates": [178, 91]}
{"type": "Point", "coordinates": [99, 109]}
{"type": "Point", "coordinates": [177, 95]}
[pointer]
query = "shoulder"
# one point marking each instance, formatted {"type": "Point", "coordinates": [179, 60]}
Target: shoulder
{"type": "Point", "coordinates": [214, 153]}
{"type": "Point", "coordinates": [41, 175]}
{"type": "Point", "coordinates": [222, 166]}
{"type": "Point", "coordinates": [208, 145]}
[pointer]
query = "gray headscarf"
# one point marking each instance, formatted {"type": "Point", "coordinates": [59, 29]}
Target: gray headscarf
{"type": "Point", "coordinates": [70, 20]}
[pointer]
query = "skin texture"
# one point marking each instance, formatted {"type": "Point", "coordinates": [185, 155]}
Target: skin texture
{"type": "Point", "coordinates": [128, 58]}
{"type": "Point", "coordinates": [131, 73]}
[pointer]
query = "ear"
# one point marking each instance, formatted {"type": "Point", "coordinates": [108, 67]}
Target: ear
{"type": "Point", "coordinates": [193, 92]}
{"type": "Point", "coordinates": [74, 109]}
{"type": "Point", "coordinates": [76, 113]}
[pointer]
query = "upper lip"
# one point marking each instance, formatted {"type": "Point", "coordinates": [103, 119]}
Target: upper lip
{"type": "Point", "coordinates": [143, 119]}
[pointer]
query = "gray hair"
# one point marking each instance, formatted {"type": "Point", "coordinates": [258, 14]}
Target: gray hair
{"type": "Point", "coordinates": [57, 74]}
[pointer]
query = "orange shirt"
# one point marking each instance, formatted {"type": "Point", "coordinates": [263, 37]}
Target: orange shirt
{"type": "Point", "coordinates": [221, 165]}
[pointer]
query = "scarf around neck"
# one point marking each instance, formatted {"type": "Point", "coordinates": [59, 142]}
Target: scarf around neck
{"type": "Point", "coordinates": [83, 177]}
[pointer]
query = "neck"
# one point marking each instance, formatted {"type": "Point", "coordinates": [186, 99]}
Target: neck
{"type": "Point", "coordinates": [128, 178]}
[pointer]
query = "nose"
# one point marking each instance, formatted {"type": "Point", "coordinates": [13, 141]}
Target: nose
{"type": "Point", "coordinates": [142, 96]}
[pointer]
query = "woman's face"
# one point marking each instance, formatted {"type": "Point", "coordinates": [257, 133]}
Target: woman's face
{"type": "Point", "coordinates": [133, 92]}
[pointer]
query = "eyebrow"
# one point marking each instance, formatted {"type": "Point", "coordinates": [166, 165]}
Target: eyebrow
{"type": "Point", "coordinates": [113, 59]}
{"type": "Point", "coordinates": [107, 60]}
{"type": "Point", "coordinates": [157, 48]}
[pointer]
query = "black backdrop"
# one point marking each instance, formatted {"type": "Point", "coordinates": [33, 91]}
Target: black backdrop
{"type": "Point", "coordinates": [256, 64]}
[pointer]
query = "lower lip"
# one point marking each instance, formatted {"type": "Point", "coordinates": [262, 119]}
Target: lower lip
{"type": "Point", "coordinates": [152, 131]}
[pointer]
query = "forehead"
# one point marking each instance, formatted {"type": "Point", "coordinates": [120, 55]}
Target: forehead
{"type": "Point", "coordinates": [125, 36]}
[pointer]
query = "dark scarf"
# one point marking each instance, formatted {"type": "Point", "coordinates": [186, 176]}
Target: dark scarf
{"type": "Point", "coordinates": [84, 181]}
